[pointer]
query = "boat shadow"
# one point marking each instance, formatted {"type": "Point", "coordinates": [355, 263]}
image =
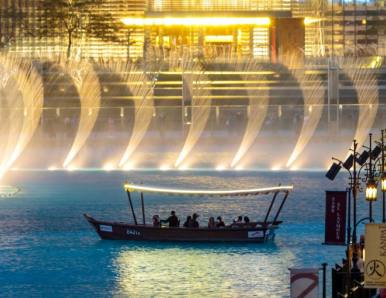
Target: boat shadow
{"type": "Point", "coordinates": [223, 247]}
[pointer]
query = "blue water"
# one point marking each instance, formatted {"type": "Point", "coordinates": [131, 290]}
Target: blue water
{"type": "Point", "coordinates": [47, 248]}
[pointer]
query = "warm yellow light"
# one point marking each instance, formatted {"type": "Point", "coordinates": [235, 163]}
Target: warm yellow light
{"type": "Point", "coordinates": [196, 21]}
{"type": "Point", "coordinates": [218, 38]}
{"type": "Point", "coordinates": [252, 191]}
{"type": "Point", "coordinates": [71, 168]}
{"type": "Point", "coordinates": [183, 168]}
{"type": "Point", "coordinates": [371, 191]}
{"type": "Point", "coordinates": [164, 168]}
{"type": "Point", "coordinates": [383, 182]}
{"type": "Point", "coordinates": [220, 168]}
{"type": "Point", "coordinates": [364, 21]}
{"type": "Point", "coordinates": [108, 167]}
{"type": "Point", "coordinates": [309, 20]}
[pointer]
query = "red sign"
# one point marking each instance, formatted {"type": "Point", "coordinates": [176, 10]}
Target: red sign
{"type": "Point", "coordinates": [335, 226]}
{"type": "Point", "coordinates": [304, 283]}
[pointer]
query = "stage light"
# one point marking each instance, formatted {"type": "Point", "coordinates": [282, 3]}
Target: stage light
{"type": "Point", "coordinates": [333, 171]}
{"type": "Point", "coordinates": [375, 152]}
{"type": "Point", "coordinates": [349, 162]}
{"type": "Point", "coordinates": [363, 157]}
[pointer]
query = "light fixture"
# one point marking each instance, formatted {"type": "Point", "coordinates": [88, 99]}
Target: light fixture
{"type": "Point", "coordinates": [196, 21]}
{"type": "Point", "coordinates": [383, 182]}
{"type": "Point", "coordinates": [375, 152]}
{"type": "Point", "coordinates": [363, 157]}
{"type": "Point", "coordinates": [371, 190]}
{"type": "Point", "coordinates": [349, 162]}
{"type": "Point", "coordinates": [333, 171]}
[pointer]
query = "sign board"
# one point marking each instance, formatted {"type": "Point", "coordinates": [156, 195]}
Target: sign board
{"type": "Point", "coordinates": [335, 220]}
{"type": "Point", "coordinates": [304, 283]}
{"type": "Point", "coordinates": [375, 261]}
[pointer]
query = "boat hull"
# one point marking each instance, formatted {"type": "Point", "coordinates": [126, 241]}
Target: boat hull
{"type": "Point", "coordinates": [124, 231]}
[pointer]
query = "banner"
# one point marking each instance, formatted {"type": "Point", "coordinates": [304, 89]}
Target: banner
{"type": "Point", "coordinates": [335, 220]}
{"type": "Point", "coordinates": [375, 258]}
{"type": "Point", "coordinates": [304, 282]}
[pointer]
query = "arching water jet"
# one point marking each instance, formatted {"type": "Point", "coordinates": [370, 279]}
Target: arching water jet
{"type": "Point", "coordinates": [196, 81]}
{"type": "Point", "coordinates": [312, 89]}
{"type": "Point", "coordinates": [366, 86]}
{"type": "Point", "coordinates": [257, 111]}
{"type": "Point", "coordinates": [30, 85]}
{"type": "Point", "coordinates": [88, 86]}
{"type": "Point", "coordinates": [141, 88]}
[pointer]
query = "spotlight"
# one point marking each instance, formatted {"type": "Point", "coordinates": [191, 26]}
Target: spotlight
{"type": "Point", "coordinates": [333, 171]}
{"type": "Point", "coordinates": [363, 157]}
{"type": "Point", "coordinates": [349, 162]}
{"type": "Point", "coordinates": [375, 152]}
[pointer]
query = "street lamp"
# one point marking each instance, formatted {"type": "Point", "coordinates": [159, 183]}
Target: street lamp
{"type": "Point", "coordinates": [371, 191]}
{"type": "Point", "coordinates": [383, 183]}
{"type": "Point", "coordinates": [383, 177]}
{"type": "Point", "coordinates": [350, 165]}
{"type": "Point", "coordinates": [371, 185]}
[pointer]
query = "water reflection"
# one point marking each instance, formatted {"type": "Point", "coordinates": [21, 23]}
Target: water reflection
{"type": "Point", "coordinates": [203, 270]}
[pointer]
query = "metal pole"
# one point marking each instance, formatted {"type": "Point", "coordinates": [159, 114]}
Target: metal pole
{"type": "Point", "coordinates": [382, 171]}
{"type": "Point", "coordinates": [371, 178]}
{"type": "Point", "coordinates": [348, 217]}
{"type": "Point", "coordinates": [281, 206]}
{"type": "Point", "coordinates": [131, 207]}
{"type": "Point", "coordinates": [143, 209]}
{"type": "Point", "coordinates": [270, 207]}
{"type": "Point", "coordinates": [324, 265]}
{"type": "Point", "coordinates": [354, 194]}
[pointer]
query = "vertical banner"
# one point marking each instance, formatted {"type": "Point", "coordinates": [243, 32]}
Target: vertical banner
{"type": "Point", "coordinates": [335, 220]}
{"type": "Point", "coordinates": [304, 282]}
{"type": "Point", "coordinates": [375, 259]}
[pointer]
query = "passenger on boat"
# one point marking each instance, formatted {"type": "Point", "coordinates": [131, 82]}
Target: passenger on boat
{"type": "Point", "coordinates": [195, 223]}
{"type": "Point", "coordinates": [239, 220]}
{"type": "Point", "coordinates": [220, 223]}
{"type": "Point", "coordinates": [156, 221]}
{"type": "Point", "coordinates": [211, 223]}
{"type": "Point", "coordinates": [246, 220]}
{"type": "Point", "coordinates": [188, 223]}
{"type": "Point", "coordinates": [172, 220]}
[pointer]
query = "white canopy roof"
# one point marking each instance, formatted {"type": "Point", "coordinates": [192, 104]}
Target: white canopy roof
{"type": "Point", "coordinates": [221, 193]}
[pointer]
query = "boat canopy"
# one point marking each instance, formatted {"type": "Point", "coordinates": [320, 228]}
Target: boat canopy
{"type": "Point", "coordinates": [211, 193]}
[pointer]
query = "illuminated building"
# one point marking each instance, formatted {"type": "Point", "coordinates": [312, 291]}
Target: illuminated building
{"type": "Point", "coordinates": [255, 28]}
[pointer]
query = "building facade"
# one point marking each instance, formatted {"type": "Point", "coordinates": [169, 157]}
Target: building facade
{"type": "Point", "coordinates": [262, 29]}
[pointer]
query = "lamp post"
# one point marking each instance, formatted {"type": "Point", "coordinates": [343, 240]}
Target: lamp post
{"type": "Point", "coordinates": [354, 175]}
{"type": "Point", "coordinates": [383, 177]}
{"type": "Point", "coordinates": [371, 185]}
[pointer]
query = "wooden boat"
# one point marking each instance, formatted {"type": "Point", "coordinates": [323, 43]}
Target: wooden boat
{"type": "Point", "coordinates": [254, 232]}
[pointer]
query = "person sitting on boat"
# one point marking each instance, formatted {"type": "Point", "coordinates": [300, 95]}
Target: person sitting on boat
{"type": "Point", "coordinates": [156, 221]}
{"type": "Point", "coordinates": [195, 223]}
{"type": "Point", "coordinates": [188, 223]}
{"type": "Point", "coordinates": [220, 223]}
{"type": "Point", "coordinates": [246, 220]}
{"type": "Point", "coordinates": [237, 222]}
{"type": "Point", "coordinates": [211, 223]}
{"type": "Point", "coordinates": [172, 220]}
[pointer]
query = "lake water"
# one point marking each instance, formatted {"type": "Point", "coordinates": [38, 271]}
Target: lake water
{"type": "Point", "coordinates": [48, 249]}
